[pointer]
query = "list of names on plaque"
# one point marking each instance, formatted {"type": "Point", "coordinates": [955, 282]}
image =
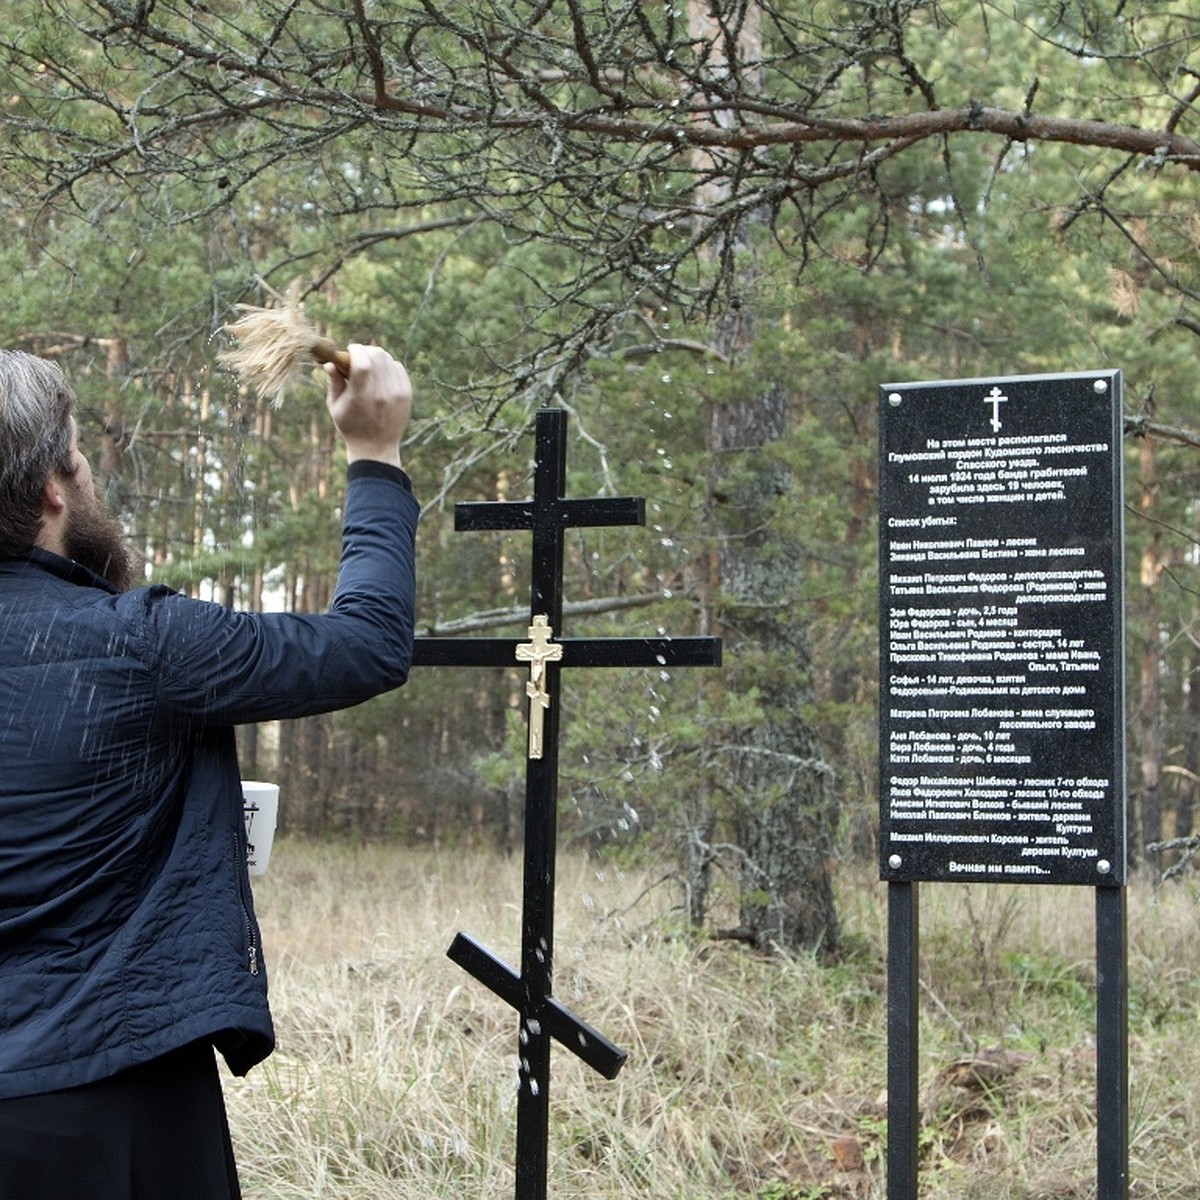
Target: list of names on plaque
{"type": "Point", "coordinates": [1001, 749]}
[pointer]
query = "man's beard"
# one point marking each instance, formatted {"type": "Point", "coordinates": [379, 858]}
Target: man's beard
{"type": "Point", "coordinates": [94, 539]}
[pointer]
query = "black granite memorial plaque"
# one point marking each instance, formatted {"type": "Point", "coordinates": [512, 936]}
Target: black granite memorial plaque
{"type": "Point", "coordinates": [1001, 637]}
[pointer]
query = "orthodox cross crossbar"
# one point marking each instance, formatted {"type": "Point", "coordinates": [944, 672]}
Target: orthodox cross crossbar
{"type": "Point", "coordinates": [547, 515]}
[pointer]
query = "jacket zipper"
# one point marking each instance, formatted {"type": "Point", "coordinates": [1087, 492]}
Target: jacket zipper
{"type": "Point", "coordinates": [239, 857]}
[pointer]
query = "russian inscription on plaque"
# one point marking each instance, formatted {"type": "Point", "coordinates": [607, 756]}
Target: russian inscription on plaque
{"type": "Point", "coordinates": [1001, 637]}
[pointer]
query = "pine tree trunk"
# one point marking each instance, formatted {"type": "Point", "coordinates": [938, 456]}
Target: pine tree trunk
{"type": "Point", "coordinates": [1149, 818]}
{"type": "Point", "coordinates": [786, 816]}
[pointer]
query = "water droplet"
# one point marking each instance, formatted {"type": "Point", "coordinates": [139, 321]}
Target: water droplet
{"type": "Point", "coordinates": [533, 1087]}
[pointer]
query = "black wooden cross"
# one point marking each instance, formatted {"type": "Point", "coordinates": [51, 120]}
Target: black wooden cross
{"type": "Point", "coordinates": [529, 991]}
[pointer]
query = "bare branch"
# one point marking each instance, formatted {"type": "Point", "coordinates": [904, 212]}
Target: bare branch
{"type": "Point", "coordinates": [498, 617]}
{"type": "Point", "coordinates": [1138, 426]}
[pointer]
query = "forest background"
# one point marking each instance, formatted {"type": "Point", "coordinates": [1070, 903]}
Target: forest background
{"type": "Point", "coordinates": [708, 231]}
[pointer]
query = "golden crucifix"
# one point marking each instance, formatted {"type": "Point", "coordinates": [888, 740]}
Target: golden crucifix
{"type": "Point", "coordinates": [537, 652]}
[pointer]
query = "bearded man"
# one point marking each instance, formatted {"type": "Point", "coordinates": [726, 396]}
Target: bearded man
{"type": "Point", "coordinates": [129, 948]}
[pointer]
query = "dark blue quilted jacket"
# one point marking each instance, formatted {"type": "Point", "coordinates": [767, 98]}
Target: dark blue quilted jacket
{"type": "Point", "coordinates": [126, 922]}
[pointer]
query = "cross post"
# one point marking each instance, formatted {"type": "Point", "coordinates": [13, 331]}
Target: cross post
{"type": "Point", "coordinates": [529, 990]}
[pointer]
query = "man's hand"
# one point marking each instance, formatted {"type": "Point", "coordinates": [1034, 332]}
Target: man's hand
{"type": "Point", "coordinates": [372, 405]}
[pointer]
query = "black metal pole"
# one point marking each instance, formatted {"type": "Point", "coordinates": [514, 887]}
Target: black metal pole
{"type": "Point", "coordinates": [903, 1111]}
{"type": "Point", "coordinates": [537, 954]}
{"type": "Point", "coordinates": [1112, 1045]}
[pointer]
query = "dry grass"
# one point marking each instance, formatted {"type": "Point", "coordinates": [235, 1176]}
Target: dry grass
{"type": "Point", "coordinates": [747, 1077]}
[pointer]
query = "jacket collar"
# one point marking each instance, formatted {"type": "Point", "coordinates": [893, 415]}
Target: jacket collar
{"type": "Point", "coordinates": [64, 568]}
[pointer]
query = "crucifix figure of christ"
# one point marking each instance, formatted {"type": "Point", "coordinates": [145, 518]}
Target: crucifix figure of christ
{"type": "Point", "coordinates": [547, 515]}
{"type": "Point", "coordinates": [537, 652]}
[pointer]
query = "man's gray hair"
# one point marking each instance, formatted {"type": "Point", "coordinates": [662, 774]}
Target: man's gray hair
{"type": "Point", "coordinates": [35, 440]}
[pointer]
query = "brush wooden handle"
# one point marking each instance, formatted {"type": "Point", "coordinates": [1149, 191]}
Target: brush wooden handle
{"type": "Point", "coordinates": [325, 351]}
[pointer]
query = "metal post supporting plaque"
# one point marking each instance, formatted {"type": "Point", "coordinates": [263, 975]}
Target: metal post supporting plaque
{"type": "Point", "coordinates": [1002, 752]}
{"type": "Point", "coordinates": [545, 653]}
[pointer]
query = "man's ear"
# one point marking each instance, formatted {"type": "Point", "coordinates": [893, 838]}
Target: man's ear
{"type": "Point", "coordinates": [54, 514]}
{"type": "Point", "coordinates": [53, 500]}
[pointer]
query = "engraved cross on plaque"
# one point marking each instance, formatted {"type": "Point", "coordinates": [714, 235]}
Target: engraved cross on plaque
{"type": "Point", "coordinates": [995, 398]}
{"type": "Point", "coordinates": [547, 515]}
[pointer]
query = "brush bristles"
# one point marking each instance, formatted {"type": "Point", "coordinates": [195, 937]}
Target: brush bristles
{"type": "Point", "coordinates": [272, 345]}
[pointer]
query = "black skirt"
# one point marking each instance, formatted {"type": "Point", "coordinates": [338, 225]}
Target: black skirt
{"type": "Point", "coordinates": [155, 1132]}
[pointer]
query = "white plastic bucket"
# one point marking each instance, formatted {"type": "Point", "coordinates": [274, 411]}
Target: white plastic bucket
{"type": "Point", "coordinates": [260, 807]}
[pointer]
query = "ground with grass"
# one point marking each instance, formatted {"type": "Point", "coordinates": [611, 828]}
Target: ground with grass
{"type": "Point", "coordinates": [748, 1076]}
